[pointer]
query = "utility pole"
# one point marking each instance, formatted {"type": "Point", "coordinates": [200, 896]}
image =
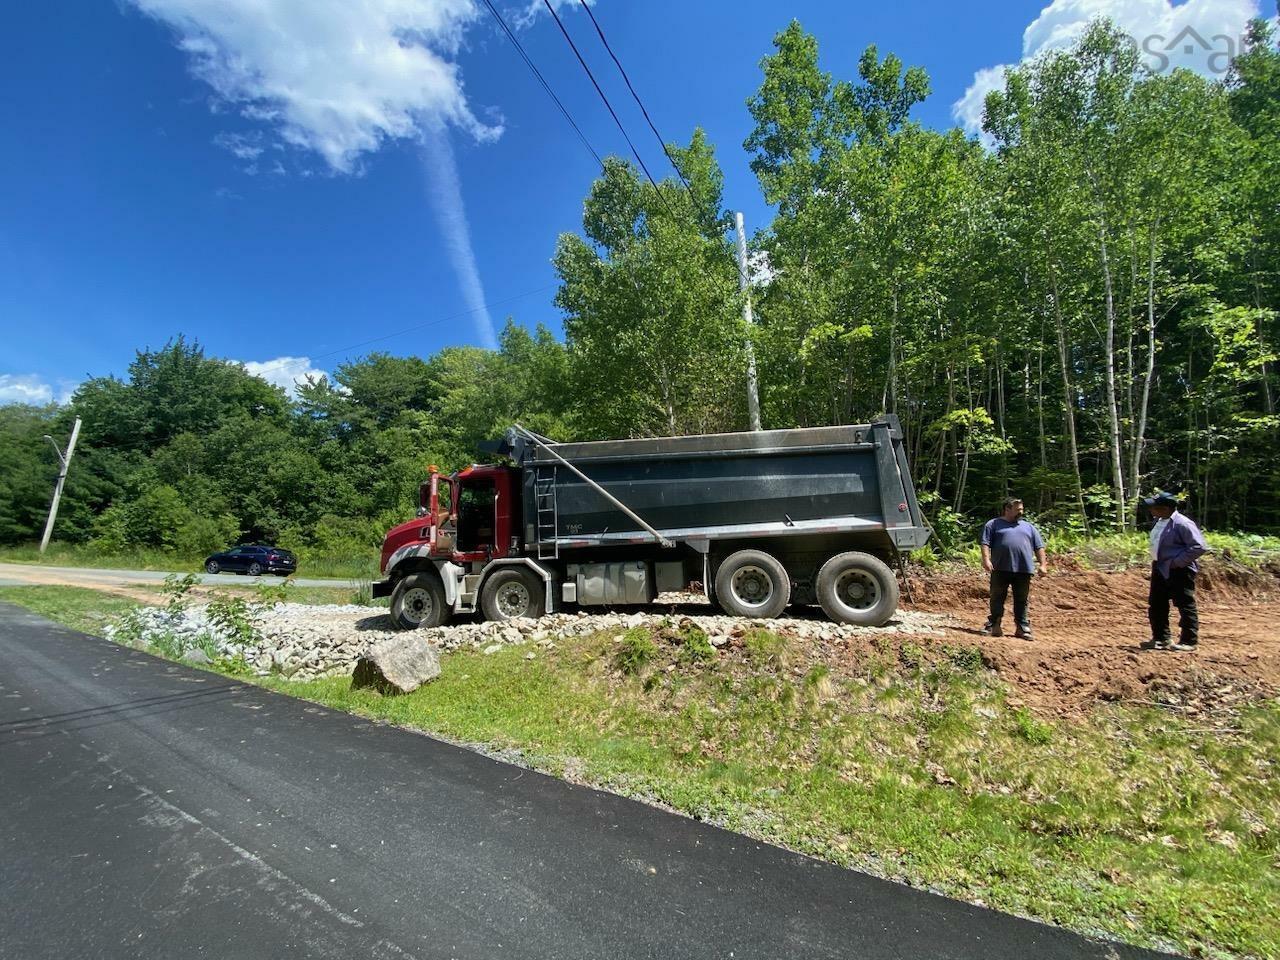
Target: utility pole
{"type": "Point", "coordinates": [62, 478]}
{"type": "Point", "coordinates": [744, 284]}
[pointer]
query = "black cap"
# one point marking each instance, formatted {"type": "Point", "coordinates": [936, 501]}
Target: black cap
{"type": "Point", "coordinates": [1161, 499]}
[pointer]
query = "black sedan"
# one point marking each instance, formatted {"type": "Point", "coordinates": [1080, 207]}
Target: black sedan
{"type": "Point", "coordinates": [253, 561]}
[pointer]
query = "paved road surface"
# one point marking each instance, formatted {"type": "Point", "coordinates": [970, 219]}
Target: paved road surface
{"type": "Point", "coordinates": [152, 810]}
{"type": "Point", "coordinates": [12, 574]}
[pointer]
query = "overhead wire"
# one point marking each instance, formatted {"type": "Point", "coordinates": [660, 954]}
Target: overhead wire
{"type": "Point", "coordinates": [613, 113]}
{"type": "Point", "coordinates": [640, 103]}
{"type": "Point", "coordinates": [542, 80]}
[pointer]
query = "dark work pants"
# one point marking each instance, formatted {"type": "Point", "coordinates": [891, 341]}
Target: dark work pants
{"type": "Point", "coordinates": [1001, 581]}
{"type": "Point", "coordinates": [1180, 589]}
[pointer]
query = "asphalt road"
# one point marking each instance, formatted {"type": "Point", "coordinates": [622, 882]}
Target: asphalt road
{"type": "Point", "coordinates": [152, 810]}
{"type": "Point", "coordinates": [16, 574]}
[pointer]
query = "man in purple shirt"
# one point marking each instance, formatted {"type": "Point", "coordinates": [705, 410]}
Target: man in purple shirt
{"type": "Point", "coordinates": [1176, 542]}
{"type": "Point", "coordinates": [1010, 548]}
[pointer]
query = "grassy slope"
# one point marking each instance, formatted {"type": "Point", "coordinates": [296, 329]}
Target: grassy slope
{"type": "Point", "coordinates": [1136, 823]}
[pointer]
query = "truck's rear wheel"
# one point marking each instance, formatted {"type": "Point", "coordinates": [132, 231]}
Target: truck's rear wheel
{"type": "Point", "coordinates": [859, 589]}
{"type": "Point", "coordinates": [418, 601]}
{"type": "Point", "coordinates": [512, 594]}
{"type": "Point", "coordinates": [750, 583]}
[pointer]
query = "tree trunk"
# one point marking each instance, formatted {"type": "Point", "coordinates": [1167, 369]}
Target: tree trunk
{"type": "Point", "coordinates": [1113, 412]}
{"type": "Point", "coordinates": [1068, 394]}
{"type": "Point", "coordinates": [1139, 436]}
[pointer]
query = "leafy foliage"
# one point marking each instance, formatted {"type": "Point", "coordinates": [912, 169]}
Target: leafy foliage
{"type": "Point", "coordinates": [1080, 308]}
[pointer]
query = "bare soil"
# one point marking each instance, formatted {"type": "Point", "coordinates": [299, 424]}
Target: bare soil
{"type": "Point", "coordinates": [1088, 626]}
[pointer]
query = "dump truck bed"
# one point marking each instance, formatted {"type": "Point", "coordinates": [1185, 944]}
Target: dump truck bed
{"type": "Point", "coordinates": [845, 479]}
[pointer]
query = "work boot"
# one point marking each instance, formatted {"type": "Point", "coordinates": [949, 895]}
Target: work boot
{"type": "Point", "coordinates": [1023, 633]}
{"type": "Point", "coordinates": [992, 630]}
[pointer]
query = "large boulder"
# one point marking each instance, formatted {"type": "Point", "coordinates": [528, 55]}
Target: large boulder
{"type": "Point", "coordinates": [397, 664]}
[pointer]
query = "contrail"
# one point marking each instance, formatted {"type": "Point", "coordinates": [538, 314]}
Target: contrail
{"type": "Point", "coordinates": [445, 193]}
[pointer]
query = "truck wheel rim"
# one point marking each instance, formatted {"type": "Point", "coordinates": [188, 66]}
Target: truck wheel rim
{"type": "Point", "coordinates": [513, 600]}
{"type": "Point", "coordinates": [752, 586]}
{"type": "Point", "coordinates": [417, 604]}
{"type": "Point", "coordinates": [857, 590]}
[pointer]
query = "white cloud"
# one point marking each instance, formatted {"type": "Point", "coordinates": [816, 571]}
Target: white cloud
{"type": "Point", "coordinates": [1200, 35]}
{"type": "Point", "coordinates": [287, 372]}
{"type": "Point", "coordinates": [24, 388]}
{"type": "Point", "coordinates": [341, 77]}
{"type": "Point", "coordinates": [446, 201]}
{"type": "Point", "coordinates": [334, 76]}
{"type": "Point", "coordinates": [242, 146]}
{"type": "Point", "coordinates": [526, 17]}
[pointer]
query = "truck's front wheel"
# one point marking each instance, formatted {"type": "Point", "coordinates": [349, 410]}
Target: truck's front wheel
{"type": "Point", "coordinates": [859, 589]}
{"type": "Point", "coordinates": [750, 583]}
{"type": "Point", "coordinates": [418, 601]}
{"type": "Point", "coordinates": [513, 594]}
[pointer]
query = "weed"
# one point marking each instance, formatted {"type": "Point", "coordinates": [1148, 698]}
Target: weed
{"type": "Point", "coordinates": [766, 648]}
{"type": "Point", "coordinates": [636, 650]}
{"type": "Point", "coordinates": [362, 592]}
{"type": "Point", "coordinates": [910, 655]}
{"type": "Point", "coordinates": [964, 659]}
{"type": "Point", "coordinates": [1034, 731]}
{"type": "Point", "coordinates": [176, 590]}
{"type": "Point", "coordinates": [695, 646]}
{"type": "Point", "coordinates": [269, 593]}
{"type": "Point", "coordinates": [235, 617]}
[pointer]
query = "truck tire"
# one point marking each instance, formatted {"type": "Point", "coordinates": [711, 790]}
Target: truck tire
{"type": "Point", "coordinates": [857, 588]}
{"type": "Point", "coordinates": [418, 601]}
{"type": "Point", "coordinates": [750, 583]}
{"type": "Point", "coordinates": [513, 593]}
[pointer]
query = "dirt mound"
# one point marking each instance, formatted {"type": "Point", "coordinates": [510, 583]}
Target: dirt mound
{"type": "Point", "coordinates": [1088, 626]}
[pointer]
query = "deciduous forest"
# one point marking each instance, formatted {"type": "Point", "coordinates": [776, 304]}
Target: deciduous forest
{"type": "Point", "coordinates": [1077, 308]}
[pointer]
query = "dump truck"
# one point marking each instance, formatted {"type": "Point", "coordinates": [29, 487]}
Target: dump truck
{"type": "Point", "coordinates": [762, 520]}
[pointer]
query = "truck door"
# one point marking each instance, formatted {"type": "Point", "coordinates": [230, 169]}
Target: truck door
{"type": "Point", "coordinates": [440, 510]}
{"type": "Point", "coordinates": [477, 500]}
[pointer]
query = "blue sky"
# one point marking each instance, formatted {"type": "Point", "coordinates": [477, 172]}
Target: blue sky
{"type": "Point", "coordinates": [172, 167]}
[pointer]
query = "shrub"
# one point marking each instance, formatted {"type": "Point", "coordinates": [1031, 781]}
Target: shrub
{"type": "Point", "coordinates": [176, 590]}
{"type": "Point", "coordinates": [636, 650]}
{"type": "Point", "coordinates": [235, 617]}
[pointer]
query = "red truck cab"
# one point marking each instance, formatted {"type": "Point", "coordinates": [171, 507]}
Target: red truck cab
{"type": "Point", "coordinates": [472, 516]}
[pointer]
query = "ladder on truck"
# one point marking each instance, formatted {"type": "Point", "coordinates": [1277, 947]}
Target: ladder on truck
{"type": "Point", "coordinates": [547, 520]}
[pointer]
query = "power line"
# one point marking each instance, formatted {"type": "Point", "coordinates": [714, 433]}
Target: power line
{"type": "Point", "coordinates": [439, 320]}
{"type": "Point", "coordinates": [634, 152]}
{"type": "Point", "coordinates": [542, 80]}
{"type": "Point", "coordinates": [662, 143]}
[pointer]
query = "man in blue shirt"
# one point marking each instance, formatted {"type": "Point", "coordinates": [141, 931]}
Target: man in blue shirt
{"type": "Point", "coordinates": [1010, 548]}
{"type": "Point", "coordinates": [1176, 542]}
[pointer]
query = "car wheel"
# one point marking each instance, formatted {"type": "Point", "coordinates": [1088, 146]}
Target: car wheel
{"type": "Point", "coordinates": [857, 588]}
{"type": "Point", "coordinates": [418, 601]}
{"type": "Point", "coordinates": [512, 594]}
{"type": "Point", "coordinates": [212, 567]}
{"type": "Point", "coordinates": [750, 583]}
{"type": "Point", "coordinates": [255, 569]}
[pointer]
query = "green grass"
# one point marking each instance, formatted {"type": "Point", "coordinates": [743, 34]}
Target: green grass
{"type": "Point", "coordinates": [78, 555]}
{"type": "Point", "coordinates": [1131, 822]}
{"type": "Point", "coordinates": [83, 609]}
